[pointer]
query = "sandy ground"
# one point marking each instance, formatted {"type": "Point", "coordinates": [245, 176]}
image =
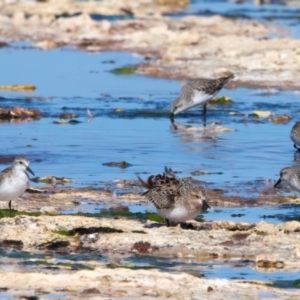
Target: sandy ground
{"type": "Point", "coordinates": [267, 248]}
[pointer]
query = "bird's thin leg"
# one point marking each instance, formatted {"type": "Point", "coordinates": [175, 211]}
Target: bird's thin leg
{"type": "Point", "coordinates": [204, 114]}
{"type": "Point", "coordinates": [297, 148]}
{"type": "Point", "coordinates": [168, 222]}
{"type": "Point", "coordinates": [172, 117]}
{"type": "Point", "coordinates": [9, 205]}
{"type": "Point", "coordinates": [173, 121]}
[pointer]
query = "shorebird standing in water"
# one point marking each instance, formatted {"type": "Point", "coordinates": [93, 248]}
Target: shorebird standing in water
{"type": "Point", "coordinates": [295, 136]}
{"type": "Point", "coordinates": [176, 200]}
{"type": "Point", "coordinates": [290, 175]}
{"type": "Point", "coordinates": [198, 92]}
{"type": "Point", "coordinates": [14, 180]}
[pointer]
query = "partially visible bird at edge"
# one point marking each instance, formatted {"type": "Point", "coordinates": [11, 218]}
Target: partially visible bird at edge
{"type": "Point", "coordinates": [14, 180]}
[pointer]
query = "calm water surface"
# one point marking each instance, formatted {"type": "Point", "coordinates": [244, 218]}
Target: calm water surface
{"type": "Point", "coordinates": [71, 82]}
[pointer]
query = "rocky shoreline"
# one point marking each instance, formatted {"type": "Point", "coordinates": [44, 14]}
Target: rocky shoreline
{"type": "Point", "coordinates": [264, 247]}
{"type": "Point", "coordinates": [187, 47]}
{"type": "Point", "coordinates": [52, 239]}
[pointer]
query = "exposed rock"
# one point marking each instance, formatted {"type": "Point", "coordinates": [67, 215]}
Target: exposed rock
{"type": "Point", "coordinates": [18, 87]}
{"type": "Point", "coordinates": [260, 114]}
{"type": "Point", "coordinates": [275, 249]}
{"type": "Point", "coordinates": [63, 8]}
{"type": "Point", "coordinates": [49, 210]}
{"type": "Point", "coordinates": [185, 47]}
{"type": "Point", "coordinates": [19, 112]}
{"type": "Point", "coordinates": [137, 284]}
{"type": "Point", "coordinates": [281, 119]}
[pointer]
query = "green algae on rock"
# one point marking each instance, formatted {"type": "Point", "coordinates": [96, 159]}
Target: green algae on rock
{"type": "Point", "coordinates": [221, 100]}
{"type": "Point", "coordinates": [123, 71]}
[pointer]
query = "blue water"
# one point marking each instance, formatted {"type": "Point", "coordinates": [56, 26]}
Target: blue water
{"type": "Point", "coordinates": [142, 133]}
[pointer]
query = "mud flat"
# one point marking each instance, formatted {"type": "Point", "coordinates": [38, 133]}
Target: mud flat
{"type": "Point", "coordinates": [38, 248]}
{"type": "Point", "coordinates": [265, 246]}
{"type": "Point", "coordinates": [187, 47]}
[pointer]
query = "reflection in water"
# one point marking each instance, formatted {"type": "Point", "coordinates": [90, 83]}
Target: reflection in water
{"type": "Point", "coordinates": [189, 133]}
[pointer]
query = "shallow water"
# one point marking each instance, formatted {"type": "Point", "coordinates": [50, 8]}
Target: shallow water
{"type": "Point", "coordinates": [256, 149]}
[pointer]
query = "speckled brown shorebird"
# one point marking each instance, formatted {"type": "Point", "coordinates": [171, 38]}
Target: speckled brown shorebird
{"type": "Point", "coordinates": [14, 180]}
{"type": "Point", "coordinates": [295, 135]}
{"type": "Point", "coordinates": [176, 200]}
{"type": "Point", "coordinates": [196, 92]}
{"type": "Point", "coordinates": [290, 175]}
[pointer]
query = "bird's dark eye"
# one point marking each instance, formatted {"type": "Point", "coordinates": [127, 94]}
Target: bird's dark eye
{"type": "Point", "coordinates": [20, 162]}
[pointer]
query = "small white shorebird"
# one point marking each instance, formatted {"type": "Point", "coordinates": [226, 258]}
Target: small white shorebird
{"type": "Point", "coordinates": [290, 175]}
{"type": "Point", "coordinates": [198, 92]}
{"type": "Point", "coordinates": [295, 135]}
{"type": "Point", "coordinates": [14, 180]}
{"type": "Point", "coordinates": [176, 200]}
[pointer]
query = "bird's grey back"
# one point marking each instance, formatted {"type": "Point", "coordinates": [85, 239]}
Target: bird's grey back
{"type": "Point", "coordinates": [209, 86]}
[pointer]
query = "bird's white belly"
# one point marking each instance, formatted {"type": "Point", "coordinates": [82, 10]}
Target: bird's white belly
{"type": "Point", "coordinates": [200, 97]}
{"type": "Point", "coordinates": [178, 214]}
{"type": "Point", "coordinates": [295, 184]}
{"type": "Point", "coordinates": [13, 187]}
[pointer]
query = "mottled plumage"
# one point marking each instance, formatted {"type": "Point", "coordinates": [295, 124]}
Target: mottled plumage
{"type": "Point", "coordinates": [290, 175]}
{"type": "Point", "coordinates": [198, 91]}
{"type": "Point", "coordinates": [295, 135]}
{"type": "Point", "coordinates": [176, 200]}
{"type": "Point", "coordinates": [14, 180]}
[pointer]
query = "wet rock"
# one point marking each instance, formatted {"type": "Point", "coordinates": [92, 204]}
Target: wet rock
{"type": "Point", "coordinates": [119, 208]}
{"type": "Point", "coordinates": [90, 291]}
{"type": "Point", "coordinates": [4, 45]}
{"type": "Point", "coordinates": [221, 100]}
{"type": "Point", "coordinates": [269, 262]}
{"type": "Point", "coordinates": [227, 225]}
{"type": "Point", "coordinates": [263, 228]}
{"type": "Point", "coordinates": [55, 245]}
{"type": "Point", "coordinates": [52, 180]}
{"type": "Point", "coordinates": [90, 238]}
{"type": "Point", "coordinates": [49, 210]}
{"type": "Point", "coordinates": [67, 116]}
{"type": "Point", "coordinates": [280, 119]}
{"type": "Point", "coordinates": [121, 164]}
{"type": "Point", "coordinates": [123, 71]}
{"type": "Point", "coordinates": [18, 87]}
{"type": "Point", "coordinates": [118, 110]}
{"type": "Point", "coordinates": [143, 247]}
{"type": "Point", "coordinates": [45, 44]}
{"type": "Point", "coordinates": [292, 226]}
{"type": "Point", "coordinates": [19, 112]}
{"type": "Point", "coordinates": [260, 114]}
{"type": "Point", "coordinates": [11, 244]}
{"type": "Point", "coordinates": [92, 230]}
